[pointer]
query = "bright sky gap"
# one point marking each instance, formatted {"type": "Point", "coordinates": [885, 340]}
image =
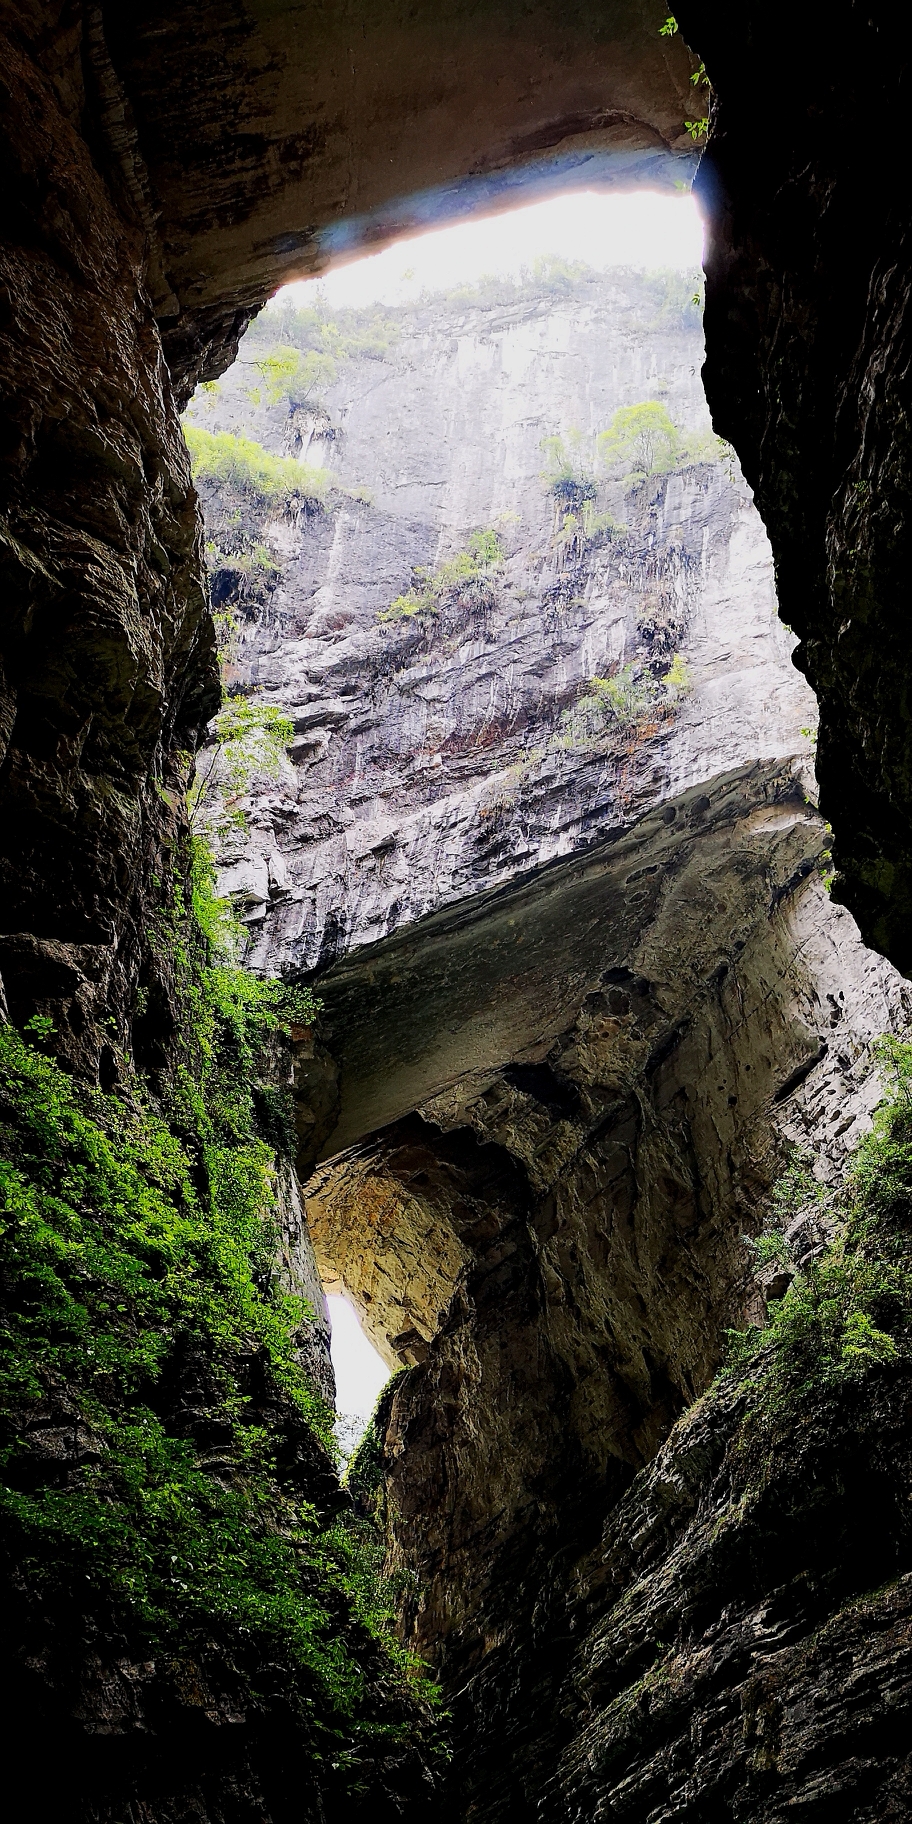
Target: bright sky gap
{"type": "Point", "coordinates": [643, 228]}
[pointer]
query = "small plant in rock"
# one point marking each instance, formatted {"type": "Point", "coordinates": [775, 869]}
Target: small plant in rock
{"type": "Point", "coordinates": [699, 80]}
{"type": "Point", "coordinates": [245, 739]}
{"type": "Point", "coordinates": [568, 474]}
{"type": "Point", "coordinates": [605, 703]}
{"type": "Point", "coordinates": [848, 1309]}
{"type": "Point", "coordinates": [469, 577]}
{"type": "Point", "coordinates": [676, 681]}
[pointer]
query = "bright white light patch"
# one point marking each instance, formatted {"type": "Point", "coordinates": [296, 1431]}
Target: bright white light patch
{"type": "Point", "coordinates": [640, 228]}
{"type": "Point", "coordinates": [360, 1373]}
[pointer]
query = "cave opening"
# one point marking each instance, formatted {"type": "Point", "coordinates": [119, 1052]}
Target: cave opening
{"type": "Point", "coordinates": [553, 1047]}
{"type": "Point", "coordinates": [294, 396]}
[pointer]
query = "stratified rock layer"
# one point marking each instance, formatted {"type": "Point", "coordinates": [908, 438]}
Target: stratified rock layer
{"type": "Point", "coordinates": [440, 755]}
{"type": "Point", "coordinates": [108, 669]}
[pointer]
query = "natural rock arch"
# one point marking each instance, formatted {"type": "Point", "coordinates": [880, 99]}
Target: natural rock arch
{"type": "Point", "coordinates": [163, 172]}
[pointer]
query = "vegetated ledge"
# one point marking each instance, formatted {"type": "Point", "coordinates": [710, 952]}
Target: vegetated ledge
{"type": "Point", "coordinates": [192, 1613]}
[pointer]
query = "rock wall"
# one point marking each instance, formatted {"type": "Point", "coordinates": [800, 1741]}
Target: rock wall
{"type": "Point", "coordinates": [108, 656]}
{"type": "Point", "coordinates": [439, 756]}
{"type": "Point", "coordinates": [180, 210]}
{"type": "Point", "coordinates": [274, 140]}
{"type": "Point", "coordinates": [808, 373]}
{"type": "Point", "coordinates": [560, 1060]}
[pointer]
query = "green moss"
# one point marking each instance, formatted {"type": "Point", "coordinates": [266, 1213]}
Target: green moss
{"type": "Point", "coordinates": [141, 1313]}
{"type": "Point", "coordinates": [365, 1476]}
{"type": "Point", "coordinates": [848, 1312]}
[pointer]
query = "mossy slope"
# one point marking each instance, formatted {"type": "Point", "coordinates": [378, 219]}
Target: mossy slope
{"type": "Point", "coordinates": [184, 1581]}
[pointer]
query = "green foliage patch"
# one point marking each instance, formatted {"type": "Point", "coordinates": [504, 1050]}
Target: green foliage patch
{"type": "Point", "coordinates": [633, 695]}
{"type": "Point", "coordinates": [245, 739]}
{"type": "Point", "coordinates": [142, 1319]}
{"type": "Point", "coordinates": [219, 456]}
{"type": "Point", "coordinates": [642, 438]}
{"type": "Point", "coordinates": [470, 575]}
{"type": "Point", "coordinates": [336, 336]}
{"type": "Point", "coordinates": [847, 1311]}
{"type": "Point", "coordinates": [294, 374]}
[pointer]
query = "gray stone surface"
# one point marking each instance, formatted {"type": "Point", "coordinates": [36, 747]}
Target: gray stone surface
{"type": "Point", "coordinates": [584, 991]}
{"type": "Point", "coordinates": [431, 759]}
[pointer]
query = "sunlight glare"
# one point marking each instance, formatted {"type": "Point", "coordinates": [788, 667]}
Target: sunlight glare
{"type": "Point", "coordinates": [641, 228]}
{"type": "Point", "coordinates": [360, 1372]}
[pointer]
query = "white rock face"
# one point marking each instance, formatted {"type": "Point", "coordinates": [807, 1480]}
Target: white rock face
{"type": "Point", "coordinates": [431, 757]}
{"type": "Point", "coordinates": [440, 759]}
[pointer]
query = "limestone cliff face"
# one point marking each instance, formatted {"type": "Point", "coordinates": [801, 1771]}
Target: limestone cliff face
{"type": "Point", "coordinates": [439, 756]}
{"type": "Point", "coordinates": [583, 991]}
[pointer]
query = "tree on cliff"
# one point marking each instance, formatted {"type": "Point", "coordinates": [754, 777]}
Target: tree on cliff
{"type": "Point", "coordinates": [643, 439]}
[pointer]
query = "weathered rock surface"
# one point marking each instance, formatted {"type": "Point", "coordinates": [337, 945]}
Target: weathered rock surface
{"type": "Point", "coordinates": [108, 652]}
{"type": "Point", "coordinates": [439, 756]}
{"type": "Point", "coordinates": [109, 671]}
{"type": "Point", "coordinates": [551, 1099]}
{"type": "Point", "coordinates": [274, 139]}
{"type": "Point", "coordinates": [738, 1644]}
{"type": "Point", "coordinates": [807, 372]}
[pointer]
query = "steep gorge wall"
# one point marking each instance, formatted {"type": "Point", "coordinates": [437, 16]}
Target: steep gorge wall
{"type": "Point", "coordinates": [96, 832]}
{"type": "Point", "coordinates": [552, 1086]}
{"type": "Point", "coordinates": [437, 756]}
{"type": "Point", "coordinates": [109, 668]}
{"type": "Point", "coordinates": [807, 371]}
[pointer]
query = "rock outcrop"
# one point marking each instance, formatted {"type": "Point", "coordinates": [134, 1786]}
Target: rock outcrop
{"type": "Point", "coordinates": [162, 175]}
{"type": "Point", "coordinates": [807, 372]}
{"type": "Point", "coordinates": [273, 142]}
{"type": "Point", "coordinates": [438, 755]}
{"type": "Point", "coordinates": [552, 1085]}
{"type": "Point", "coordinates": [108, 662]}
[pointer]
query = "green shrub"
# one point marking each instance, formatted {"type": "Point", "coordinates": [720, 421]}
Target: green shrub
{"type": "Point", "coordinates": [293, 374]}
{"type": "Point", "coordinates": [641, 438]}
{"type": "Point", "coordinates": [848, 1311]}
{"type": "Point", "coordinates": [340, 335]}
{"type": "Point", "coordinates": [603, 703]}
{"type": "Point", "coordinates": [470, 574]}
{"type": "Point", "coordinates": [678, 298]}
{"type": "Point", "coordinates": [218, 456]}
{"type": "Point", "coordinates": [644, 440]}
{"type": "Point", "coordinates": [245, 739]}
{"type": "Point", "coordinates": [568, 474]}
